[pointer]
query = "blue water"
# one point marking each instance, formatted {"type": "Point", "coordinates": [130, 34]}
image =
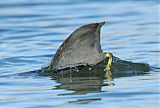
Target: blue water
{"type": "Point", "coordinates": [32, 30]}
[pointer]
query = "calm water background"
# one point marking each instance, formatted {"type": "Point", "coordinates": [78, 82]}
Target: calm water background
{"type": "Point", "coordinates": [32, 30]}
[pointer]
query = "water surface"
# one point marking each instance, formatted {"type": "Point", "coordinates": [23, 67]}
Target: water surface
{"type": "Point", "coordinates": [32, 31]}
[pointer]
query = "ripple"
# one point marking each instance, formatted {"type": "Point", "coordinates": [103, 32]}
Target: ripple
{"type": "Point", "coordinates": [32, 31]}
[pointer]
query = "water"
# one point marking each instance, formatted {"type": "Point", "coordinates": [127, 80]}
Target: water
{"type": "Point", "coordinates": [32, 31]}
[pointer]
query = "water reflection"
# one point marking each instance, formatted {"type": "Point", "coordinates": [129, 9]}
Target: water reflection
{"type": "Point", "coordinates": [84, 101]}
{"type": "Point", "coordinates": [81, 82]}
{"type": "Point", "coordinates": [91, 79]}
